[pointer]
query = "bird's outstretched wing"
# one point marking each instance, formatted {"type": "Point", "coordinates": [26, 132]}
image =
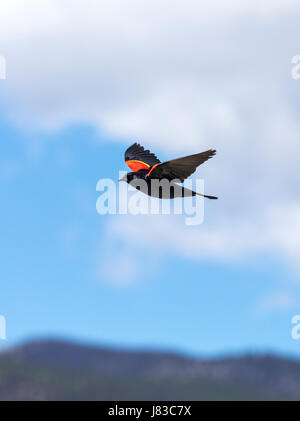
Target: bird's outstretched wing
{"type": "Point", "coordinates": [180, 168]}
{"type": "Point", "coordinates": [137, 158]}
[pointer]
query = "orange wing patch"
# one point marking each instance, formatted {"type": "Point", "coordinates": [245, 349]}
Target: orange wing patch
{"type": "Point", "coordinates": [154, 166]}
{"type": "Point", "coordinates": [135, 165]}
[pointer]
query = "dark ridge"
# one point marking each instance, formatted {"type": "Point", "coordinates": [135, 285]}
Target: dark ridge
{"type": "Point", "coordinates": [55, 370]}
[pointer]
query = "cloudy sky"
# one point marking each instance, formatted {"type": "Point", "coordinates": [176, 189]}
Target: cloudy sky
{"type": "Point", "coordinates": [87, 79]}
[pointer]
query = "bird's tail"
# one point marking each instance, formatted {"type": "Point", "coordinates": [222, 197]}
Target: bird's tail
{"type": "Point", "coordinates": [207, 197]}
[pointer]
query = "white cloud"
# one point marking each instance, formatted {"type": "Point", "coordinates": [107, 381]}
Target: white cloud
{"type": "Point", "coordinates": [174, 74]}
{"type": "Point", "coordinates": [120, 263]}
{"type": "Point", "coordinates": [121, 270]}
{"type": "Point", "coordinates": [180, 76]}
{"type": "Point", "coordinates": [275, 301]}
{"type": "Point", "coordinates": [273, 229]}
{"type": "Point", "coordinates": [284, 232]}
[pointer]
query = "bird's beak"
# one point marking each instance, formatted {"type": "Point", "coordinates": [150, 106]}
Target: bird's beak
{"type": "Point", "coordinates": [124, 178]}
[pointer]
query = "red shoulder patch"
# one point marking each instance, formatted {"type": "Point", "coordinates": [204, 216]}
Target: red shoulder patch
{"type": "Point", "coordinates": [136, 165]}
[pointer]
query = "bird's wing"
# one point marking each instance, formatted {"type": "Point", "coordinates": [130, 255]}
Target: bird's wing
{"type": "Point", "coordinates": [180, 168]}
{"type": "Point", "coordinates": [137, 158]}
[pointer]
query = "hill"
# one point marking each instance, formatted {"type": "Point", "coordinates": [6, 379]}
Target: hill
{"type": "Point", "coordinates": [58, 370]}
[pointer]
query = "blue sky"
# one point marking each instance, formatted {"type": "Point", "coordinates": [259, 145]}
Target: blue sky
{"type": "Point", "coordinates": [51, 241]}
{"type": "Point", "coordinates": [74, 100]}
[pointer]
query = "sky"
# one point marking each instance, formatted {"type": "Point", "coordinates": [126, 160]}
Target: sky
{"type": "Point", "coordinates": [82, 84]}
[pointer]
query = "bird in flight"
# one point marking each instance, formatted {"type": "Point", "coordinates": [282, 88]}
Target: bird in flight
{"type": "Point", "coordinates": [148, 173]}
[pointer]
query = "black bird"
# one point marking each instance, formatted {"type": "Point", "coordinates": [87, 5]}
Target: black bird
{"type": "Point", "coordinates": [148, 171]}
